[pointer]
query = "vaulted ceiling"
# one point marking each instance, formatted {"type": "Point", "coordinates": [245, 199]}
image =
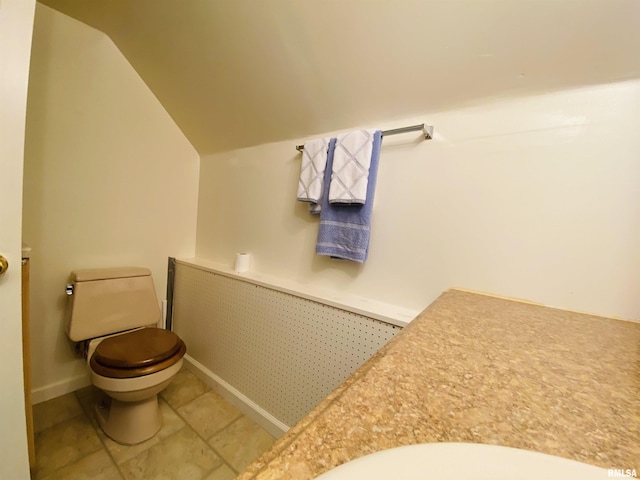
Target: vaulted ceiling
{"type": "Point", "coordinates": [236, 73]}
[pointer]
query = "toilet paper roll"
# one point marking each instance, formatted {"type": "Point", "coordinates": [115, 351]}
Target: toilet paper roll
{"type": "Point", "coordinates": [242, 262]}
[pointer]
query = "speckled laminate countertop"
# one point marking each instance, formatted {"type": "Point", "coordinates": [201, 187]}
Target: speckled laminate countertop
{"type": "Point", "coordinates": [481, 369]}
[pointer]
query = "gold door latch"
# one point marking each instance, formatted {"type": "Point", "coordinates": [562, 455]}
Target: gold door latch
{"type": "Point", "coordinates": [4, 265]}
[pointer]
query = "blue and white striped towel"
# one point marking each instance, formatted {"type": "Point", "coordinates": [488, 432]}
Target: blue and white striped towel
{"type": "Point", "coordinates": [350, 169]}
{"type": "Point", "coordinates": [311, 183]}
{"type": "Point", "coordinates": [345, 230]}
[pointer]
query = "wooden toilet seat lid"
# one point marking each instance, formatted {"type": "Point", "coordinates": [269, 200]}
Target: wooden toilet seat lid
{"type": "Point", "coordinates": [140, 348]}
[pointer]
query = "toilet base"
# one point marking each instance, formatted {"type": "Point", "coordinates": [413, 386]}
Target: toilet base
{"type": "Point", "coordinates": [130, 423]}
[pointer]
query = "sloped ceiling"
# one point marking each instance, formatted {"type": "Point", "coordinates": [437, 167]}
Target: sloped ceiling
{"type": "Point", "coordinates": [236, 73]}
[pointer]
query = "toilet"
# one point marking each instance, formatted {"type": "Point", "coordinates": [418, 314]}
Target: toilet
{"type": "Point", "coordinates": [114, 312]}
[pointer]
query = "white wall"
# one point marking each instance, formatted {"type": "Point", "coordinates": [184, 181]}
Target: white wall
{"type": "Point", "coordinates": [534, 198]}
{"type": "Point", "coordinates": [16, 25]}
{"type": "Point", "coordinates": [109, 180]}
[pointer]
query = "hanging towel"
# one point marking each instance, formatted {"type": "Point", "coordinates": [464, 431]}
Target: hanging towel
{"type": "Point", "coordinates": [314, 161]}
{"type": "Point", "coordinates": [350, 170]}
{"type": "Point", "coordinates": [344, 230]}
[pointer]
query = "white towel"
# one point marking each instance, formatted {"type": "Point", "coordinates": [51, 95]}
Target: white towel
{"type": "Point", "coordinates": [350, 173]}
{"type": "Point", "coordinates": [314, 161]}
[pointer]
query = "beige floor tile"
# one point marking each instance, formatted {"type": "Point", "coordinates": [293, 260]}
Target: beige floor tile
{"type": "Point", "coordinates": [241, 443]}
{"type": "Point", "coordinates": [95, 466]}
{"type": "Point", "coordinates": [54, 411]}
{"type": "Point", "coordinates": [183, 388]}
{"type": "Point", "coordinates": [209, 413]}
{"type": "Point", "coordinates": [222, 473]}
{"type": "Point", "coordinates": [71, 445]}
{"type": "Point", "coordinates": [64, 444]}
{"type": "Point", "coordinates": [182, 456]}
{"type": "Point", "coordinates": [171, 423]}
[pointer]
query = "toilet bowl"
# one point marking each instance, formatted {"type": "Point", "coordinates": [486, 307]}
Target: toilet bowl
{"type": "Point", "coordinates": [129, 360]}
{"type": "Point", "coordinates": [132, 368]}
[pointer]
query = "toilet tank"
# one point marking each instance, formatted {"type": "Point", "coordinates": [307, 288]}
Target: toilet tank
{"type": "Point", "coordinates": [111, 300]}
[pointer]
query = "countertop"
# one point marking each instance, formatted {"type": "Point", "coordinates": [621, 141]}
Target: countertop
{"type": "Point", "coordinates": [476, 368]}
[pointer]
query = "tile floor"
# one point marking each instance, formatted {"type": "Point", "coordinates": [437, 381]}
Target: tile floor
{"type": "Point", "coordinates": [203, 437]}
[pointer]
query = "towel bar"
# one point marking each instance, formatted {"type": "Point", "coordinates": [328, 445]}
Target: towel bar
{"type": "Point", "coordinates": [427, 129]}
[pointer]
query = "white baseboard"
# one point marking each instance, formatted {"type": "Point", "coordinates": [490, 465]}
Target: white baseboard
{"type": "Point", "coordinates": [259, 415]}
{"type": "Point", "coordinates": [57, 389]}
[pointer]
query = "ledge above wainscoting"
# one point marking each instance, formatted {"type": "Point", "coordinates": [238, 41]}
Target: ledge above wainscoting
{"type": "Point", "coordinates": [385, 312]}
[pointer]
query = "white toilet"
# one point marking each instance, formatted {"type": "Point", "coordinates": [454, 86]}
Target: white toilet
{"type": "Point", "coordinates": [116, 310]}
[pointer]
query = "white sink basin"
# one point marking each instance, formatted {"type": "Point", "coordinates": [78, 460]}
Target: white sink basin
{"type": "Point", "coordinates": [462, 461]}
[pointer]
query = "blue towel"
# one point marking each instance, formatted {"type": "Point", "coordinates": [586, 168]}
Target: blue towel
{"type": "Point", "coordinates": [344, 230]}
